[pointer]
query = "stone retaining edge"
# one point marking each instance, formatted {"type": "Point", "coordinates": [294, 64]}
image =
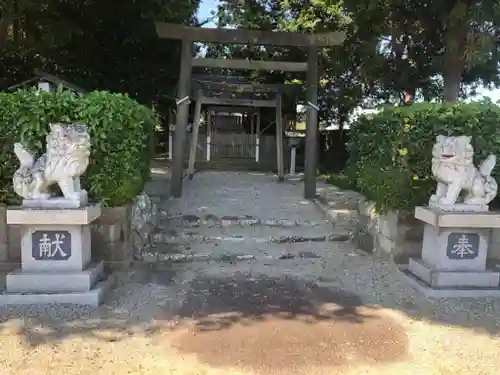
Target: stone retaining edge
{"type": "Point", "coordinates": [156, 257]}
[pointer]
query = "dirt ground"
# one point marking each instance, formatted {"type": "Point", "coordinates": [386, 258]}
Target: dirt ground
{"type": "Point", "coordinates": [161, 321]}
{"type": "Point", "coordinates": [338, 312]}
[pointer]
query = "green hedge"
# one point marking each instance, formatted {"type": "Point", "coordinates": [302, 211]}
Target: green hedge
{"type": "Point", "coordinates": [391, 152]}
{"type": "Point", "coordinates": [121, 133]}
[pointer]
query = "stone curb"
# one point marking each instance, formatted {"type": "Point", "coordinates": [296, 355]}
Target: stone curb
{"type": "Point", "coordinates": [157, 257]}
{"type": "Point", "coordinates": [323, 209]}
{"type": "Point", "coordinates": [179, 239]}
{"type": "Point", "coordinates": [149, 256]}
{"type": "Point", "coordinates": [331, 215]}
{"type": "Point", "coordinates": [194, 221]}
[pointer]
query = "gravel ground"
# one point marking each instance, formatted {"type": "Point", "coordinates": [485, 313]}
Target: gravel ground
{"type": "Point", "coordinates": [244, 194]}
{"type": "Point", "coordinates": [341, 313]}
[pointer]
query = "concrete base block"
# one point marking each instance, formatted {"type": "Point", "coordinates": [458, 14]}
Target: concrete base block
{"type": "Point", "coordinates": [442, 249]}
{"type": "Point", "coordinates": [424, 288]}
{"type": "Point", "coordinates": [57, 202]}
{"type": "Point", "coordinates": [453, 279]}
{"type": "Point", "coordinates": [93, 297]}
{"type": "Point", "coordinates": [459, 207]}
{"type": "Point", "coordinates": [20, 281]}
{"type": "Point", "coordinates": [46, 216]}
{"type": "Point", "coordinates": [446, 219]}
{"type": "Point", "coordinates": [112, 237]}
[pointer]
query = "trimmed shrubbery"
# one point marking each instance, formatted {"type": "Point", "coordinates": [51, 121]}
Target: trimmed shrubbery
{"type": "Point", "coordinates": [121, 133]}
{"type": "Point", "coordinates": [391, 152]}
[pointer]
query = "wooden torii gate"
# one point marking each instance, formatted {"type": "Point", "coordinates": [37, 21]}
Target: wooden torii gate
{"type": "Point", "coordinates": [189, 35]}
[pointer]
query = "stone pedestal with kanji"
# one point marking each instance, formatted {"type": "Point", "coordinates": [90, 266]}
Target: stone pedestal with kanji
{"type": "Point", "coordinates": [56, 257]}
{"type": "Point", "coordinates": [454, 253]}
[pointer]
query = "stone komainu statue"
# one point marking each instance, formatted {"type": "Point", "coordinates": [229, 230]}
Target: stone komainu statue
{"type": "Point", "coordinates": [66, 159]}
{"type": "Point", "coordinates": [454, 171]}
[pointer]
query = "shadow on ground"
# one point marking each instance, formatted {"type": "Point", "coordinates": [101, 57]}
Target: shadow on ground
{"type": "Point", "coordinates": [259, 323]}
{"type": "Point", "coordinates": [281, 324]}
{"type": "Point", "coordinates": [248, 297]}
{"type": "Point", "coordinates": [249, 322]}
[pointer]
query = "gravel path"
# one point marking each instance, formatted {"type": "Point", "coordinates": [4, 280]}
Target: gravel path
{"type": "Point", "coordinates": [340, 313]}
{"type": "Point", "coordinates": [241, 194]}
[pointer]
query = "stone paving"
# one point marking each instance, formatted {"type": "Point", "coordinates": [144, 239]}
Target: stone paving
{"type": "Point", "coordinates": [234, 215]}
{"type": "Point", "coordinates": [312, 307]}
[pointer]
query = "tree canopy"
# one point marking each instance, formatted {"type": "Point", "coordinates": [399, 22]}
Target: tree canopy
{"type": "Point", "coordinates": [96, 44]}
{"type": "Point", "coordinates": [396, 51]}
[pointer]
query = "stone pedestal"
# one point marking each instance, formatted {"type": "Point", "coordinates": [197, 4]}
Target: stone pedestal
{"type": "Point", "coordinates": [454, 252]}
{"type": "Point", "coordinates": [58, 202]}
{"type": "Point", "coordinates": [55, 257]}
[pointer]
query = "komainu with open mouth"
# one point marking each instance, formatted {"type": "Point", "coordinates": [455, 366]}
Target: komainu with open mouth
{"type": "Point", "coordinates": [454, 171]}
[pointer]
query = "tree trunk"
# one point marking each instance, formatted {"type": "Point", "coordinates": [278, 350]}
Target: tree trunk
{"type": "Point", "coordinates": [452, 75]}
{"type": "Point", "coordinates": [4, 28]}
{"type": "Point", "coordinates": [454, 56]}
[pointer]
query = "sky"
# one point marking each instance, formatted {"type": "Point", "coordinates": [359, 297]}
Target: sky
{"type": "Point", "coordinates": [207, 6]}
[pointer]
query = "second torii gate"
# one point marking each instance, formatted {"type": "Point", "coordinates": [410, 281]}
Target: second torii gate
{"type": "Point", "coordinates": [242, 94]}
{"type": "Point", "coordinates": [189, 35]}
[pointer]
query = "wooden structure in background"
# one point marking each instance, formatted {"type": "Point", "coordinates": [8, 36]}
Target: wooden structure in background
{"type": "Point", "coordinates": [47, 82]}
{"type": "Point", "coordinates": [228, 133]}
{"type": "Point", "coordinates": [242, 139]}
{"type": "Point", "coordinates": [236, 97]}
{"type": "Point", "coordinates": [189, 35]}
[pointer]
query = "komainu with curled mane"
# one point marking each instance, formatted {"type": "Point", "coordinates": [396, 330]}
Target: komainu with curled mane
{"type": "Point", "coordinates": [454, 171]}
{"type": "Point", "coordinates": [66, 159]}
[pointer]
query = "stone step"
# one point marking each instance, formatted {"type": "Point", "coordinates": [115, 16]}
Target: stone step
{"type": "Point", "coordinates": [249, 234]}
{"type": "Point", "coordinates": [20, 281]}
{"type": "Point", "coordinates": [210, 220]}
{"type": "Point", "coordinates": [231, 165]}
{"type": "Point", "coordinates": [235, 252]}
{"type": "Point", "coordinates": [92, 297]}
